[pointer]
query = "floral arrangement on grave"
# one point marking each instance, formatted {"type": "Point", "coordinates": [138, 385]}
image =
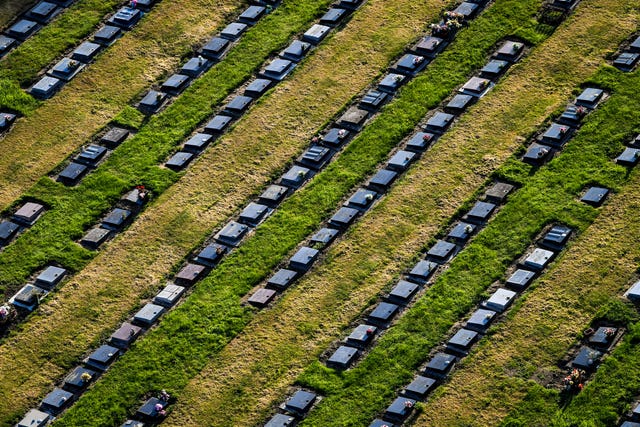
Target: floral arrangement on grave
{"type": "Point", "coordinates": [7, 313]}
{"type": "Point", "coordinates": [516, 47]}
{"type": "Point", "coordinates": [85, 377]}
{"type": "Point", "coordinates": [368, 197]}
{"type": "Point", "coordinates": [574, 382]}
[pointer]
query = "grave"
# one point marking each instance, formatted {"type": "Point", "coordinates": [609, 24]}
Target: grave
{"type": "Point", "coordinates": [296, 51]}
{"type": "Point", "coordinates": [350, 4]}
{"type": "Point", "coordinates": [315, 157]}
{"type": "Point", "coordinates": [282, 279]}
{"type": "Point", "coordinates": [635, 412]}
{"type": "Point", "coordinates": [537, 154]}
{"type": "Point", "coordinates": [22, 29]}
{"type": "Point", "coordinates": [86, 52]}
{"type": "Point", "coordinates": [410, 64]}
{"type": "Point", "coordinates": [218, 124]}
{"type": "Point", "coordinates": [421, 272]}
{"type": "Point", "coordinates": [91, 155]}
{"type": "Point", "coordinates": [95, 237]}
{"type": "Point", "coordinates": [429, 46]}
{"type": "Point", "coordinates": [303, 259]}
{"type": "Point", "coordinates": [403, 292]}
{"type": "Point", "coordinates": [381, 423]}
{"type": "Point", "coordinates": [590, 97]}
{"type": "Point", "coordinates": [382, 314]}
{"type": "Point", "coordinates": [180, 160]}
{"type": "Point", "coordinates": [476, 86]}
{"type": "Point", "coordinates": [72, 173]}
{"type": "Point", "coordinates": [361, 199]}
{"type": "Point", "coordinates": [510, 51]}
{"type": "Point", "coordinates": [238, 105]}
{"type": "Point", "coordinates": [6, 120]}
{"type": "Point", "coordinates": [50, 277]}
{"type": "Point", "coordinates": [316, 34]}
{"type": "Point", "coordinates": [459, 103]}
{"type": "Point", "coordinates": [132, 423]}
{"type": "Point", "coordinates": [43, 12]}
{"type": "Point", "coordinates": [215, 48]}
{"type": "Point", "coordinates": [343, 218]}
{"type": "Point", "coordinates": [630, 424]}
{"type": "Point", "coordinates": [135, 198]}
{"type": "Point", "coordinates": [335, 137]}
{"type": "Point", "coordinates": [296, 176]}
{"type": "Point", "coordinates": [498, 192]}
{"type": "Point", "coordinates": [233, 31]}
{"type": "Point", "coordinates": [56, 401]}
{"type": "Point", "coordinates": [102, 357]}
{"type": "Point", "coordinates": [480, 320]}
{"type": "Point", "coordinates": [520, 279]}
{"type": "Point", "coordinates": [152, 409]}
{"type": "Point", "coordinates": [176, 84]}
{"type": "Point", "coordinates": [343, 357]}
{"type": "Point", "coordinates": [194, 67]}
{"type": "Point", "coordinates": [29, 213]}
{"type": "Point", "coordinates": [439, 122]}
{"type": "Point", "coordinates": [587, 359]}
{"type": "Point", "coordinates": [565, 4]}
{"type": "Point", "coordinates": [538, 259]}
{"type": "Point", "coordinates": [633, 294]}
{"type": "Point", "coordinates": [8, 230]}
{"type": "Point", "coordinates": [152, 102]}
{"type": "Point", "coordinates": [78, 379]}
{"type": "Point", "coordinates": [595, 196]}
{"type": "Point", "coordinates": [603, 337]}
{"type": "Point", "coordinates": [145, 4]}
{"type": "Point", "coordinates": [116, 219]}
{"type": "Point", "coordinates": [169, 295]}
{"type": "Point", "coordinates": [257, 88]}
{"type": "Point", "coordinates": [211, 254]}
{"type": "Point", "coordinates": [462, 341]}
{"type": "Point", "coordinates": [125, 18]}
{"type": "Point", "coordinates": [353, 119]}
{"type": "Point", "coordinates": [419, 388]}
{"type": "Point", "coordinates": [325, 236]}
{"type": "Point", "coordinates": [232, 233]}
{"type": "Point", "coordinates": [300, 403]}
{"type": "Point", "coordinates": [572, 115]}
{"type": "Point", "coordinates": [125, 335]}
{"type": "Point", "coordinates": [629, 157]}
{"type": "Point", "coordinates": [391, 83]}
{"type": "Point", "coordinates": [252, 15]}
{"type": "Point", "coordinates": [46, 87]}
{"type": "Point", "coordinates": [373, 100]}
{"type": "Point", "coordinates": [362, 335]}
{"type": "Point", "coordinates": [278, 69]}
{"type": "Point", "coordinates": [401, 160]}
{"type": "Point", "coordinates": [190, 273]}
{"type": "Point", "coordinates": [442, 251]}
{"type": "Point", "coordinates": [148, 315]}
{"type": "Point", "coordinates": [34, 418]}
{"type": "Point", "coordinates": [281, 420]}
{"type": "Point", "coordinates": [556, 238]}
{"type": "Point", "coordinates": [440, 365]}
{"type": "Point", "coordinates": [333, 17]}
{"type": "Point", "coordinates": [262, 297]}
{"type": "Point", "coordinates": [382, 180]}
{"type": "Point", "coordinates": [556, 135]}
{"type": "Point", "coordinates": [461, 232]}
{"type": "Point", "coordinates": [114, 137]}
{"type": "Point", "coordinates": [420, 141]}
{"type": "Point", "coordinates": [273, 195]}
{"type": "Point", "coordinates": [254, 214]}
{"type": "Point", "coordinates": [107, 35]}
{"type": "Point", "coordinates": [66, 69]}
{"type": "Point", "coordinates": [6, 44]}
{"type": "Point", "coordinates": [399, 409]}
{"type": "Point", "coordinates": [500, 300]}
{"type": "Point", "coordinates": [494, 69]}
{"type": "Point", "coordinates": [635, 45]}
{"type": "Point", "coordinates": [197, 143]}
{"type": "Point", "coordinates": [468, 10]}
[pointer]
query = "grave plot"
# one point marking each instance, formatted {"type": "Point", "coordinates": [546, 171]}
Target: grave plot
{"type": "Point", "coordinates": [316, 34]}
{"type": "Point", "coordinates": [277, 70]}
{"type": "Point", "coordinates": [79, 379]}
{"type": "Point", "coordinates": [46, 87]}
{"type": "Point", "coordinates": [8, 230]}
{"type": "Point", "coordinates": [175, 84]}
{"type": "Point", "coordinates": [28, 213]}
{"type": "Point", "coordinates": [296, 51]}
{"type": "Point", "coordinates": [194, 67]}
{"type": "Point", "coordinates": [66, 69]}
{"type": "Point", "coordinates": [410, 64]}
{"type": "Point", "coordinates": [57, 401]}
{"type": "Point", "coordinates": [102, 357]}
{"type": "Point", "coordinates": [107, 35]}
{"type": "Point", "coordinates": [152, 102]}
{"type": "Point", "coordinates": [86, 52]}
{"type": "Point", "coordinates": [233, 31]}
{"type": "Point", "coordinates": [215, 48]}
{"type": "Point", "coordinates": [252, 14]}
{"type": "Point", "coordinates": [125, 335]}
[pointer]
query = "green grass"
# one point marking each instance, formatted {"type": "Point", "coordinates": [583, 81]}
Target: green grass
{"type": "Point", "coordinates": [212, 315]}
{"type": "Point", "coordinates": [136, 161]}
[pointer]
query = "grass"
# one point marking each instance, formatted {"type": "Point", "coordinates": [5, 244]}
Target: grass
{"type": "Point", "coordinates": [193, 334]}
{"type": "Point", "coordinates": [9, 9]}
{"type": "Point", "coordinates": [277, 128]}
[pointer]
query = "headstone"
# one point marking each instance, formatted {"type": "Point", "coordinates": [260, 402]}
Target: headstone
{"type": "Point", "coordinates": [194, 67]}
{"type": "Point", "coordinates": [91, 155]}
{"type": "Point", "coordinates": [95, 237]}
{"type": "Point", "coordinates": [520, 279]}
{"type": "Point", "coordinates": [494, 69]}
{"type": "Point", "coordinates": [148, 315]}
{"type": "Point", "coordinates": [333, 17]}
{"type": "Point", "coordinates": [300, 403]}
{"type": "Point", "coordinates": [23, 29]}
{"type": "Point", "coordinates": [114, 137]}
{"type": "Point", "coordinates": [8, 230]}
{"type": "Point", "coordinates": [190, 274]}
{"type": "Point", "coordinates": [461, 232]}
{"type": "Point", "coordinates": [537, 154]}
{"type": "Point", "coordinates": [278, 69]}
{"type": "Point", "coordinates": [257, 88]}
{"type": "Point", "coordinates": [296, 51]}
{"type": "Point", "coordinates": [316, 34]}
{"type": "Point", "coordinates": [587, 359]}
{"type": "Point", "coordinates": [50, 277]}
{"type": "Point", "coordinates": [353, 119]}
{"type": "Point", "coordinates": [28, 297]}
{"type": "Point", "coordinates": [373, 100]}
{"type": "Point", "coordinates": [303, 259]}
{"type": "Point", "coordinates": [6, 44]}
{"type": "Point", "coordinates": [462, 342]}
{"type": "Point", "coordinates": [556, 135]}
{"type": "Point", "coordinates": [403, 292]}
{"type": "Point", "coordinates": [107, 35]}
{"type": "Point", "coordinates": [180, 160]}
{"type": "Point", "coordinates": [296, 176]}
{"type": "Point", "coordinates": [197, 143]}
{"type": "Point", "coordinates": [498, 192]}
{"type": "Point", "coordinates": [252, 15]}
{"type": "Point", "coordinates": [232, 233]}
{"type": "Point", "coordinates": [152, 102]}
{"type": "Point", "coordinates": [72, 173]}
{"type": "Point", "coordinates": [590, 97]}
{"type": "Point", "coordinates": [343, 218]}
{"type": "Point", "coordinates": [420, 141]}
{"type": "Point", "coordinates": [429, 46]}
{"type": "Point", "coordinates": [343, 357]}
{"type": "Point", "coordinates": [86, 52]}
{"type": "Point", "coordinates": [282, 279]}
{"type": "Point", "coordinates": [362, 336]}
{"type": "Point", "coordinates": [480, 320]}
{"type": "Point", "coordinates": [383, 314]}
{"type": "Point", "coordinates": [281, 420]}
{"type": "Point", "coordinates": [254, 214]}
{"type": "Point", "coordinates": [125, 18]}
{"type": "Point", "coordinates": [211, 254]}
{"type": "Point", "coordinates": [629, 157]}
{"type": "Point", "coordinates": [392, 82]}
{"type": "Point", "coordinates": [56, 401]}
{"type": "Point", "coordinates": [440, 365]}
{"type": "Point", "coordinates": [335, 137]}
{"type": "Point", "coordinates": [361, 199]}
{"type": "Point", "coordinates": [238, 105]}
{"type": "Point", "coordinates": [218, 124]}
{"type": "Point", "coordinates": [66, 69]}
{"type": "Point", "coordinates": [169, 295]}
{"type": "Point", "coordinates": [262, 297]}
{"type": "Point", "coordinates": [595, 196]}
{"type": "Point", "coordinates": [510, 51]}
{"type": "Point", "coordinates": [410, 64]}
{"type": "Point", "coordinates": [315, 157]}
{"type": "Point", "coordinates": [439, 122]}
{"type": "Point", "coordinates": [442, 251]}
{"type": "Point", "coordinates": [273, 195]}
{"type": "Point", "coordinates": [46, 87]}
{"type": "Point", "coordinates": [325, 236]}
{"type": "Point", "coordinates": [476, 86]}
{"type": "Point", "coordinates": [422, 271]}
{"type": "Point", "coordinates": [78, 379]}
{"type": "Point", "coordinates": [125, 335]}
{"type": "Point", "coordinates": [401, 160]}
{"type": "Point", "coordinates": [176, 84]}
{"type": "Point", "coordinates": [102, 357]}
{"type": "Point", "coordinates": [399, 409]}
{"type": "Point", "coordinates": [117, 219]}
{"type": "Point", "coordinates": [419, 388]}
{"type": "Point", "coordinates": [538, 259]}
{"type": "Point", "coordinates": [215, 48]}
{"type": "Point", "coordinates": [556, 238]}
{"type": "Point", "coordinates": [382, 180]}
{"type": "Point", "coordinates": [459, 103]}
{"type": "Point", "coordinates": [500, 300]}
{"type": "Point", "coordinates": [29, 213]}
{"type": "Point", "coordinates": [233, 31]}
{"type": "Point", "coordinates": [34, 418]}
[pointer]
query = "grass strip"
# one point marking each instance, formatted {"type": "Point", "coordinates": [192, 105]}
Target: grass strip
{"type": "Point", "coordinates": [134, 264]}
{"type": "Point", "coordinates": [195, 332]}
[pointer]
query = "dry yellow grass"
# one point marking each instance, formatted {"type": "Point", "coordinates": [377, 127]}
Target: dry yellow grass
{"type": "Point", "coordinates": [85, 105]}
{"type": "Point", "coordinates": [95, 300]}
{"type": "Point", "coordinates": [11, 8]}
{"type": "Point", "coordinates": [255, 370]}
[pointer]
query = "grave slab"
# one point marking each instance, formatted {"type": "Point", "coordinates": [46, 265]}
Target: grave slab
{"type": "Point", "coordinates": [215, 48]}
{"type": "Point", "coordinates": [494, 69]}
{"type": "Point", "coordinates": [587, 359]}
{"type": "Point", "coordinates": [179, 160]}
{"type": "Point", "coordinates": [176, 84]}
{"type": "Point", "coordinates": [401, 160]}
{"type": "Point", "coordinates": [399, 409]}
{"type": "Point", "coordinates": [278, 69]}
{"type": "Point", "coordinates": [126, 18]}
{"type": "Point", "coordinates": [476, 86]}
{"type": "Point", "coordinates": [23, 29]}
{"type": "Point", "coordinates": [29, 213]}
{"type": "Point", "coordinates": [325, 236]}
{"type": "Point", "coordinates": [56, 401]}
{"type": "Point", "coordinates": [303, 259]}
{"type": "Point", "coordinates": [252, 15]}
{"type": "Point", "coordinates": [572, 115]}
{"type": "Point", "coordinates": [273, 195]}
{"type": "Point", "coordinates": [296, 51]}
{"type": "Point", "coordinates": [280, 420]}
{"type": "Point", "coordinates": [590, 97]}
{"type": "Point", "coordinates": [300, 403]}
{"type": "Point", "coordinates": [440, 365]}
{"type": "Point", "coordinates": [315, 157]}
{"type": "Point", "coordinates": [480, 320]}
{"type": "Point", "coordinates": [442, 251]}
{"type": "Point", "coordinates": [151, 409]}
{"type": "Point", "coordinates": [238, 105]}
{"type": "Point", "coordinates": [114, 137]}
{"type": "Point", "coordinates": [257, 88]}
{"type": "Point", "coordinates": [410, 64]}
{"type": "Point", "coordinates": [262, 297]}
{"type": "Point", "coordinates": [362, 336]}
{"type": "Point", "coordinates": [556, 238]}
{"type": "Point", "coordinates": [537, 154]}
{"type": "Point", "coordinates": [194, 67]}
{"type": "Point", "coordinates": [233, 31]}
{"type": "Point", "coordinates": [343, 357]}
{"type": "Point", "coordinates": [461, 232]}
{"type": "Point", "coordinates": [420, 141]}
{"type": "Point", "coordinates": [254, 214]}
{"type": "Point", "coordinates": [510, 51]}
{"type": "Point", "coordinates": [556, 135]}
{"type": "Point", "coordinates": [8, 230]}
{"type": "Point", "coordinates": [538, 259]}
{"type": "Point", "coordinates": [382, 314]}
{"type": "Point", "coordinates": [603, 337]}
{"type": "Point", "coordinates": [282, 279]}
{"type": "Point", "coordinates": [629, 157]}
{"type": "Point", "coordinates": [333, 17]}
{"type": "Point", "coordinates": [382, 180]}
{"type": "Point", "coordinates": [439, 122]}
{"type": "Point", "coordinates": [152, 102]}
{"type": "Point", "coordinates": [6, 44]}
{"type": "Point", "coordinates": [95, 237]}
{"type": "Point", "coordinates": [459, 103]}
{"type": "Point", "coordinates": [361, 199]}
{"type": "Point", "coordinates": [190, 274]}
{"type": "Point", "coordinates": [403, 293]}
{"type": "Point", "coordinates": [78, 379]}
{"type": "Point", "coordinates": [34, 418]}
{"type": "Point", "coordinates": [218, 124]}
{"type": "Point", "coordinates": [148, 315]}
{"type": "Point", "coordinates": [296, 176]}
{"type": "Point", "coordinates": [66, 69]}
{"type": "Point", "coordinates": [462, 341]}
{"type": "Point", "coordinates": [232, 233]}
{"type": "Point", "coordinates": [86, 52]}
{"type": "Point", "coordinates": [91, 155]}
{"type": "Point", "coordinates": [46, 87]}
{"type": "Point", "coordinates": [392, 82]}
{"type": "Point", "coordinates": [498, 192]}
{"type": "Point", "coordinates": [353, 119]}
{"type": "Point", "coordinates": [6, 120]}
{"type": "Point", "coordinates": [500, 300]}
{"type": "Point", "coordinates": [125, 335]}
{"type": "Point", "coordinates": [197, 143]}
{"type": "Point", "coordinates": [116, 219]}
{"type": "Point", "coordinates": [344, 217]}
{"type": "Point", "coordinates": [211, 254]}
{"type": "Point", "coordinates": [373, 100]}
{"type": "Point", "coordinates": [595, 196]}
{"type": "Point", "coordinates": [169, 295]}
{"type": "Point", "coordinates": [316, 34]}
{"type": "Point", "coordinates": [419, 388]}
{"type": "Point", "coordinates": [107, 35]}
{"type": "Point", "coordinates": [72, 174]}
{"type": "Point", "coordinates": [422, 271]}
{"type": "Point", "coordinates": [520, 279]}
{"type": "Point", "coordinates": [429, 46]}
{"type": "Point", "coordinates": [102, 357]}
{"type": "Point", "coordinates": [50, 277]}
